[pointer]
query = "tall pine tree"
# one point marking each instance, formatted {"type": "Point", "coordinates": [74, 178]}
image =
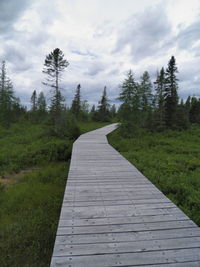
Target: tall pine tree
{"type": "Point", "coordinates": [76, 103]}
{"type": "Point", "coordinates": [171, 96]}
{"type": "Point", "coordinates": [7, 98]}
{"type": "Point", "coordinates": [129, 111]}
{"type": "Point", "coordinates": [34, 101]}
{"type": "Point", "coordinates": [103, 108]}
{"type": "Point", "coordinates": [159, 100]}
{"type": "Point", "coordinates": [146, 99]}
{"type": "Point", "coordinates": [54, 65]}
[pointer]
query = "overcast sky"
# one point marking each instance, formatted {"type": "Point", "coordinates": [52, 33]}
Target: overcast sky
{"type": "Point", "coordinates": [102, 40]}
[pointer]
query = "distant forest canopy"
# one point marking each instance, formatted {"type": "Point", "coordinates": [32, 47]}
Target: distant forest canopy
{"type": "Point", "coordinates": [155, 106]}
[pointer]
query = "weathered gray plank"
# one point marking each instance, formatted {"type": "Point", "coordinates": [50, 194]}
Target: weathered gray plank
{"type": "Point", "coordinates": [134, 259]}
{"type": "Point", "coordinates": [124, 247]}
{"type": "Point", "coordinates": [112, 215]}
{"type": "Point", "coordinates": [113, 228]}
{"type": "Point", "coordinates": [123, 220]}
{"type": "Point", "coordinates": [128, 236]}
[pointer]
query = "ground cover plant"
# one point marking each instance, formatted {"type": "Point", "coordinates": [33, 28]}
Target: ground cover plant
{"type": "Point", "coordinates": [33, 172]}
{"type": "Point", "coordinates": [171, 160]}
{"type": "Point", "coordinates": [29, 212]}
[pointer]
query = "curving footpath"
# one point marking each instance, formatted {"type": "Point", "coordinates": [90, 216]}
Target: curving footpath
{"type": "Point", "coordinates": [114, 216]}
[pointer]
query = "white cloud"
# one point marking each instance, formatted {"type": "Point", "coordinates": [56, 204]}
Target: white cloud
{"type": "Point", "coordinates": [101, 39]}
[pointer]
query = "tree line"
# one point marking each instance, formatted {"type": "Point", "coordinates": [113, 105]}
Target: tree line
{"type": "Point", "coordinates": [155, 106]}
{"type": "Point", "coordinates": [56, 114]}
{"type": "Point", "coordinates": [159, 109]}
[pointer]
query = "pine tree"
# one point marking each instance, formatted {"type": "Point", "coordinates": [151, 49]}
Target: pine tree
{"type": "Point", "coordinates": [146, 98]}
{"type": "Point", "coordinates": [194, 113]}
{"type": "Point", "coordinates": [146, 91]}
{"type": "Point", "coordinates": [171, 96]}
{"type": "Point", "coordinates": [7, 98]}
{"type": "Point", "coordinates": [188, 104]}
{"type": "Point", "coordinates": [159, 100]}
{"type": "Point", "coordinates": [76, 103]}
{"type": "Point", "coordinates": [54, 65]}
{"type": "Point", "coordinates": [128, 90]}
{"type": "Point", "coordinates": [103, 108]}
{"type": "Point", "coordinates": [182, 120]}
{"type": "Point", "coordinates": [129, 111]}
{"type": "Point", "coordinates": [34, 101]}
{"type": "Point", "coordinates": [41, 106]}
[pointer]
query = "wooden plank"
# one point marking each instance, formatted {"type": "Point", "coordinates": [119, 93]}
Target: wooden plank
{"type": "Point", "coordinates": [134, 259]}
{"type": "Point", "coordinates": [114, 228]}
{"type": "Point", "coordinates": [112, 215]}
{"type": "Point", "coordinates": [98, 212]}
{"type": "Point", "coordinates": [123, 220]}
{"type": "Point", "coordinates": [112, 202]}
{"type": "Point", "coordinates": [129, 236]}
{"type": "Point", "coordinates": [124, 247]}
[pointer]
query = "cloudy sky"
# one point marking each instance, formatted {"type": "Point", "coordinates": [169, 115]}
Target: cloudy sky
{"type": "Point", "coordinates": [102, 40]}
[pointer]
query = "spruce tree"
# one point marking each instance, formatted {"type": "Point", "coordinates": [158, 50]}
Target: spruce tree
{"type": "Point", "coordinates": [34, 101]}
{"type": "Point", "coordinates": [146, 98]}
{"type": "Point", "coordinates": [129, 111]}
{"type": "Point", "coordinates": [103, 108]}
{"type": "Point", "coordinates": [182, 120]}
{"type": "Point", "coordinates": [76, 103]}
{"type": "Point", "coordinates": [159, 100]}
{"type": "Point", "coordinates": [146, 91]}
{"type": "Point", "coordinates": [171, 96]}
{"type": "Point", "coordinates": [7, 98]}
{"type": "Point", "coordinates": [188, 104]}
{"type": "Point", "coordinates": [194, 113]}
{"type": "Point", "coordinates": [128, 90]}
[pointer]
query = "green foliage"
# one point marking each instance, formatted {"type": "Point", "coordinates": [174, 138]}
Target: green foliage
{"type": "Point", "coordinates": [25, 145]}
{"type": "Point", "coordinates": [9, 104]}
{"type": "Point", "coordinates": [54, 65]}
{"type": "Point", "coordinates": [65, 126]}
{"type": "Point", "coordinates": [29, 214]}
{"type": "Point", "coordinates": [171, 96]}
{"type": "Point", "coordinates": [159, 120]}
{"type": "Point", "coordinates": [76, 103]}
{"type": "Point", "coordinates": [103, 113]}
{"type": "Point", "coordinates": [194, 112]}
{"type": "Point", "coordinates": [170, 160]}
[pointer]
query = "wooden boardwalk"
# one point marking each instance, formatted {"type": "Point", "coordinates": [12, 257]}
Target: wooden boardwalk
{"type": "Point", "coordinates": [114, 216]}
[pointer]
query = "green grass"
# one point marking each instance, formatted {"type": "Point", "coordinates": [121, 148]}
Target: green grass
{"type": "Point", "coordinates": [171, 160]}
{"type": "Point", "coordinates": [30, 207]}
{"type": "Point", "coordinates": [29, 213]}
